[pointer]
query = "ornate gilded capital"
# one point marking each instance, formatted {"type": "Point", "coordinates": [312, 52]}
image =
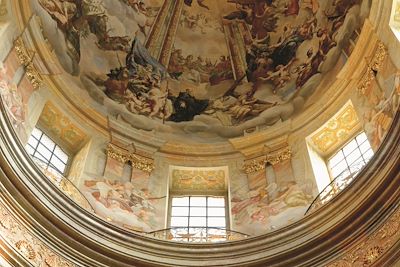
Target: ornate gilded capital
{"type": "Point", "coordinates": [279, 156]}
{"type": "Point", "coordinates": [26, 59]}
{"type": "Point", "coordinates": [255, 165]}
{"type": "Point", "coordinates": [379, 57]}
{"type": "Point", "coordinates": [125, 156]}
{"type": "Point", "coordinates": [375, 65]}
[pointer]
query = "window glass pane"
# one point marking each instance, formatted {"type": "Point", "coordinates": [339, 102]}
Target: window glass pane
{"type": "Point", "coordinates": [179, 221]}
{"type": "Point", "coordinates": [44, 152]}
{"type": "Point", "coordinates": [368, 155]}
{"type": "Point", "coordinates": [339, 168]}
{"type": "Point", "coordinates": [61, 154]}
{"type": "Point", "coordinates": [361, 138]}
{"type": "Point", "coordinates": [197, 221]}
{"type": "Point", "coordinates": [198, 201]}
{"type": "Point", "coordinates": [37, 155]}
{"type": "Point", "coordinates": [30, 150]}
{"type": "Point", "coordinates": [216, 212]}
{"type": "Point", "coordinates": [365, 146]}
{"type": "Point", "coordinates": [58, 164]}
{"type": "Point", "coordinates": [37, 133]}
{"type": "Point", "coordinates": [216, 222]}
{"type": "Point", "coordinates": [180, 211]}
{"type": "Point", "coordinates": [356, 166]}
{"type": "Point", "coordinates": [47, 142]}
{"type": "Point", "coordinates": [343, 175]}
{"type": "Point", "coordinates": [198, 211]}
{"type": "Point", "coordinates": [350, 147]}
{"type": "Point", "coordinates": [356, 154]}
{"type": "Point", "coordinates": [336, 159]}
{"type": "Point", "coordinates": [180, 201]}
{"type": "Point", "coordinates": [216, 202]}
{"type": "Point", "coordinates": [33, 142]}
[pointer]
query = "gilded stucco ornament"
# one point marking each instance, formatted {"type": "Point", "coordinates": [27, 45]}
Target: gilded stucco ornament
{"type": "Point", "coordinates": [277, 157]}
{"type": "Point", "coordinates": [255, 165]}
{"type": "Point", "coordinates": [26, 59]}
{"type": "Point", "coordinates": [29, 247]}
{"type": "Point", "coordinates": [125, 156]}
{"type": "Point", "coordinates": [370, 249]}
{"type": "Point", "coordinates": [273, 158]}
{"type": "Point", "coordinates": [372, 67]}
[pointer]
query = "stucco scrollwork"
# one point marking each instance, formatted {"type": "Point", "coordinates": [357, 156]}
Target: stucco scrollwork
{"type": "Point", "coordinates": [125, 156]}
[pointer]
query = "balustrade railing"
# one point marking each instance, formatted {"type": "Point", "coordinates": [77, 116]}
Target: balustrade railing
{"type": "Point", "coordinates": [335, 187]}
{"type": "Point", "coordinates": [197, 234]}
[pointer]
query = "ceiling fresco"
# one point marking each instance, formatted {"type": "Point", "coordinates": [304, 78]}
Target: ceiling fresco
{"type": "Point", "coordinates": [211, 67]}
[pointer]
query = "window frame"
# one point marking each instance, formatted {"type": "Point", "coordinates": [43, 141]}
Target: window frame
{"type": "Point", "coordinates": [340, 149]}
{"type": "Point", "coordinates": [57, 144]}
{"type": "Point", "coordinates": [176, 195]}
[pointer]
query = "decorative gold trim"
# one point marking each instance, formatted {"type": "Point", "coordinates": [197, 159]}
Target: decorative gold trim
{"type": "Point", "coordinates": [255, 165]}
{"type": "Point", "coordinates": [26, 59]}
{"type": "Point", "coordinates": [279, 156]}
{"type": "Point", "coordinates": [374, 66]}
{"type": "Point", "coordinates": [368, 251]}
{"type": "Point", "coordinates": [31, 248]}
{"type": "Point", "coordinates": [124, 156]}
{"type": "Point", "coordinates": [258, 164]}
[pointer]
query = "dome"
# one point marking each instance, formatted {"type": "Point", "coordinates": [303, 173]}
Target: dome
{"type": "Point", "coordinates": [199, 133]}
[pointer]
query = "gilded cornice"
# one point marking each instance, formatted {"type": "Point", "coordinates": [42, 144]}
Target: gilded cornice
{"type": "Point", "coordinates": [125, 156]}
{"type": "Point", "coordinates": [26, 59]}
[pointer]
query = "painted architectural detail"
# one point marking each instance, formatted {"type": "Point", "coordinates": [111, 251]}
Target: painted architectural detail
{"type": "Point", "coordinates": [61, 127]}
{"type": "Point", "coordinates": [28, 246]}
{"type": "Point", "coordinates": [186, 179]}
{"type": "Point", "coordinates": [337, 130]}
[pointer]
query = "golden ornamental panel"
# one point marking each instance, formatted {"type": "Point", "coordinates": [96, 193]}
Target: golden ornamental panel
{"type": "Point", "coordinates": [60, 125]}
{"type": "Point", "coordinates": [198, 180]}
{"type": "Point", "coordinates": [337, 130]}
